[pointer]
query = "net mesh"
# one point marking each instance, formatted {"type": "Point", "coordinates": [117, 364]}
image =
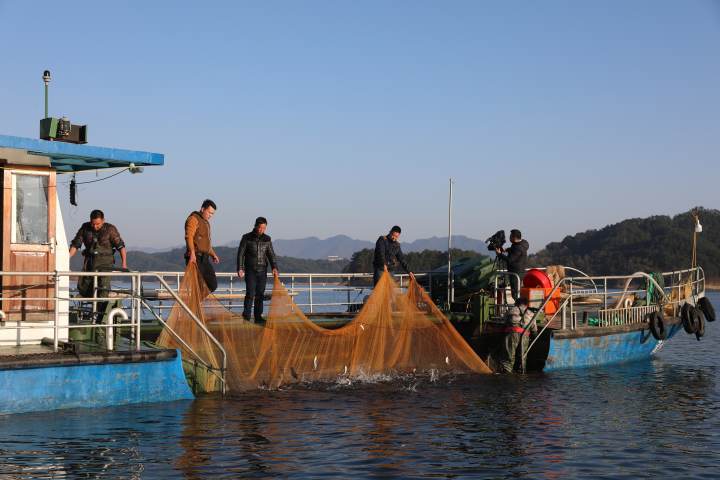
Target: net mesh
{"type": "Point", "coordinates": [396, 331]}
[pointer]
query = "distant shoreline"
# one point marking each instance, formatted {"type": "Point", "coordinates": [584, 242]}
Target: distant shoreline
{"type": "Point", "coordinates": [714, 286]}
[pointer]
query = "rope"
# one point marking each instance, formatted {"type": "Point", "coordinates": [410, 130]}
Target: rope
{"type": "Point", "coordinates": [101, 179]}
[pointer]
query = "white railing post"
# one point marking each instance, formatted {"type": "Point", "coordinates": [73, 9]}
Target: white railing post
{"type": "Point", "coordinates": [137, 312]}
{"type": "Point", "coordinates": [95, 286]}
{"type": "Point", "coordinates": [56, 340]}
{"type": "Point", "coordinates": [573, 318]}
{"type": "Point", "coordinates": [311, 292]}
{"type": "Point", "coordinates": [605, 294]}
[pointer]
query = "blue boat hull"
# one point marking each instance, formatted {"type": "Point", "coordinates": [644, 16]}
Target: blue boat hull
{"type": "Point", "coordinates": [52, 387]}
{"type": "Point", "coordinates": [593, 351]}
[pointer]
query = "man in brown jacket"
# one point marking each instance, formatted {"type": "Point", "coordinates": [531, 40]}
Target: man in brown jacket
{"type": "Point", "coordinates": [199, 245]}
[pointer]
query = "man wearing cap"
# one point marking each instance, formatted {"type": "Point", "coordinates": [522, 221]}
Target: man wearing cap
{"type": "Point", "coordinates": [388, 255]}
{"type": "Point", "coordinates": [253, 256]}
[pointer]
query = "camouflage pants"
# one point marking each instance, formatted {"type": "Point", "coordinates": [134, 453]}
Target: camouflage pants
{"type": "Point", "coordinates": [85, 285]}
{"type": "Point", "coordinates": [510, 352]}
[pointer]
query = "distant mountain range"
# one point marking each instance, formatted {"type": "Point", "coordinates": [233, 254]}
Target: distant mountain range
{"type": "Point", "coordinates": [344, 246]}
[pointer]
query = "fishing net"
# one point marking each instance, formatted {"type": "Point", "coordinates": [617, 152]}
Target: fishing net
{"type": "Point", "coordinates": [396, 332]}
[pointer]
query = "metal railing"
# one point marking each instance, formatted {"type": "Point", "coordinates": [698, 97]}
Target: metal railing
{"type": "Point", "coordinates": [131, 300]}
{"type": "Point", "coordinates": [312, 292]}
{"type": "Point", "coordinates": [139, 294]}
{"type": "Point", "coordinates": [673, 295]}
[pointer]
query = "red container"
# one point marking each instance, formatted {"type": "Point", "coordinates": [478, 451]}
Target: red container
{"type": "Point", "coordinates": [535, 278]}
{"type": "Point", "coordinates": [537, 287]}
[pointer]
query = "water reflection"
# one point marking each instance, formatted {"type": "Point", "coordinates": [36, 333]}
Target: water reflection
{"type": "Point", "coordinates": [654, 418]}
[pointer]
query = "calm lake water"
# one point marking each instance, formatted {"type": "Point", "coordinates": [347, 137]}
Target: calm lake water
{"type": "Point", "coordinates": [656, 418]}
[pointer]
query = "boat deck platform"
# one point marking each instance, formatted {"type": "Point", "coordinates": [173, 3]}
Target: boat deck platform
{"type": "Point", "coordinates": [34, 356]}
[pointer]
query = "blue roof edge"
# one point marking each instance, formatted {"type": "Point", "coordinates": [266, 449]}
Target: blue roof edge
{"type": "Point", "coordinates": [61, 150]}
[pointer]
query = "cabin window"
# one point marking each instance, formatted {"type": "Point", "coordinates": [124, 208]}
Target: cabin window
{"type": "Point", "coordinates": [30, 209]}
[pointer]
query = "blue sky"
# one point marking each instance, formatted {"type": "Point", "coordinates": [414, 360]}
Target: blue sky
{"type": "Point", "coordinates": [348, 117]}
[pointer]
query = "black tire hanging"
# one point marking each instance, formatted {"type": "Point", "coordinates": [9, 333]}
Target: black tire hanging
{"type": "Point", "coordinates": [699, 322]}
{"type": "Point", "coordinates": [707, 308]}
{"type": "Point", "coordinates": [687, 319]}
{"type": "Point", "coordinates": [656, 320]}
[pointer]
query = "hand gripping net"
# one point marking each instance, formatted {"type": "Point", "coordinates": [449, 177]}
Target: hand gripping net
{"type": "Point", "coordinates": [395, 332]}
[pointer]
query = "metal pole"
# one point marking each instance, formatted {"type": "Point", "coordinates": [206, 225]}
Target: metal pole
{"type": "Point", "coordinates": [311, 293]}
{"type": "Point", "coordinates": [57, 313]}
{"type": "Point", "coordinates": [137, 310]}
{"type": "Point", "coordinates": [46, 79]}
{"type": "Point", "coordinates": [450, 290]}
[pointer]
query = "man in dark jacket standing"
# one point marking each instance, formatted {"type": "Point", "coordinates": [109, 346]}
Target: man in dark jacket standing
{"type": "Point", "coordinates": [254, 254]}
{"type": "Point", "coordinates": [516, 260]}
{"type": "Point", "coordinates": [388, 254]}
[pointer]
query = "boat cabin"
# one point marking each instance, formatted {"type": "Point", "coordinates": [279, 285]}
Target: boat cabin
{"type": "Point", "coordinates": [34, 246]}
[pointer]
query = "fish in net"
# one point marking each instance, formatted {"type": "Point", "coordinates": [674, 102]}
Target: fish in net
{"type": "Point", "coordinates": [396, 332]}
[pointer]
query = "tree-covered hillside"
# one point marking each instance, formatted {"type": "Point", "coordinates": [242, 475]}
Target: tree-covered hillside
{"type": "Point", "coordinates": [659, 243]}
{"type": "Point", "coordinates": [424, 261]}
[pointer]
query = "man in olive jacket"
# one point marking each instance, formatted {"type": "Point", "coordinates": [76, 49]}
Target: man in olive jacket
{"type": "Point", "coordinates": [253, 255]}
{"type": "Point", "coordinates": [101, 240]}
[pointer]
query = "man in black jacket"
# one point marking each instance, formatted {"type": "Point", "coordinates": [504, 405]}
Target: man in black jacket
{"type": "Point", "coordinates": [254, 254]}
{"type": "Point", "coordinates": [388, 254]}
{"type": "Point", "coordinates": [516, 260]}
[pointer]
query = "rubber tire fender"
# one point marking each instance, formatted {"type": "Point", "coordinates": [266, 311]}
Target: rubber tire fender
{"type": "Point", "coordinates": [657, 325]}
{"type": "Point", "coordinates": [707, 308]}
{"type": "Point", "coordinates": [699, 322]}
{"type": "Point", "coordinates": [687, 320]}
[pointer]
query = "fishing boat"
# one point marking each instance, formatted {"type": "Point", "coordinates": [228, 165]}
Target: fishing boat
{"type": "Point", "coordinates": [582, 320]}
{"type": "Point", "coordinates": [586, 321]}
{"type": "Point", "coordinates": [47, 360]}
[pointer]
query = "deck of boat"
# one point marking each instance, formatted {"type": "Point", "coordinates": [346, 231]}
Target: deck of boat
{"type": "Point", "coordinates": [34, 356]}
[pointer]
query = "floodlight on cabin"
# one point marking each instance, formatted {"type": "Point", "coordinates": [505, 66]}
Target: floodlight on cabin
{"type": "Point", "coordinates": [64, 127]}
{"type": "Point", "coordinates": [132, 168]}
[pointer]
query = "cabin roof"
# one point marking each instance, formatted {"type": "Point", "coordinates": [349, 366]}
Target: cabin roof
{"type": "Point", "coordinates": [71, 157]}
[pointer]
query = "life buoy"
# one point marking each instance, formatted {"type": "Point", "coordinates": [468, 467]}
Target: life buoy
{"type": "Point", "coordinates": [688, 322]}
{"type": "Point", "coordinates": [656, 320]}
{"type": "Point", "coordinates": [707, 308]}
